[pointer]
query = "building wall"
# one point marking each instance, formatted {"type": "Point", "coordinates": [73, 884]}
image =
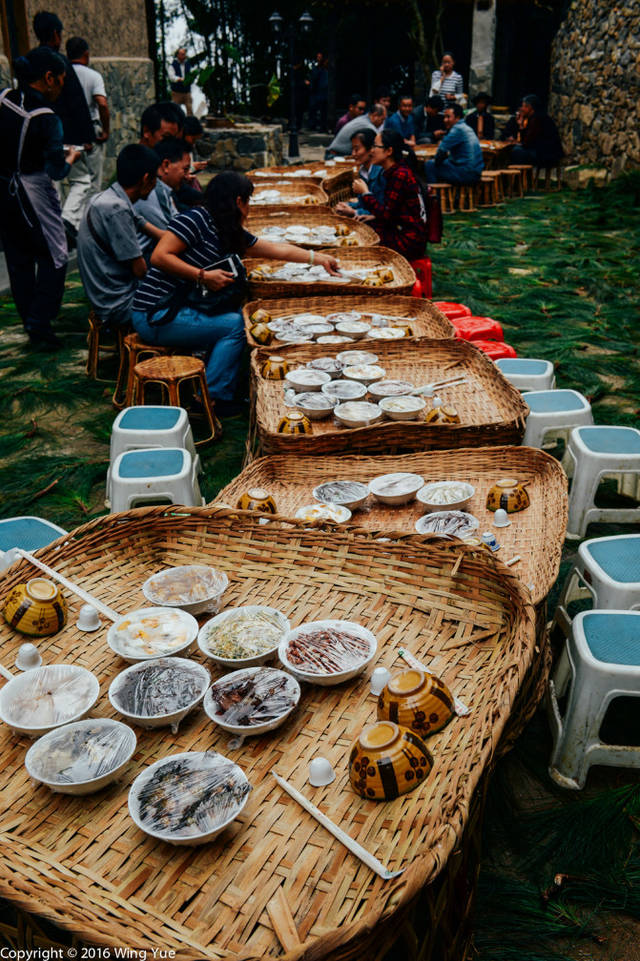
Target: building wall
{"type": "Point", "coordinates": [595, 83]}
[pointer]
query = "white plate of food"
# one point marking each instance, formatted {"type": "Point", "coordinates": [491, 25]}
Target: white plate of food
{"type": "Point", "coordinates": [327, 652]}
{"type": "Point", "coordinates": [446, 495]}
{"type": "Point", "coordinates": [82, 757]}
{"type": "Point", "coordinates": [346, 493]}
{"type": "Point", "coordinates": [243, 636]}
{"type": "Point", "coordinates": [324, 512]}
{"type": "Point", "coordinates": [253, 700]}
{"type": "Point", "coordinates": [195, 588]}
{"type": "Point", "coordinates": [151, 632]}
{"type": "Point", "coordinates": [448, 524]}
{"type": "Point", "coordinates": [344, 390]}
{"type": "Point", "coordinates": [357, 413]}
{"type": "Point", "coordinates": [364, 373]}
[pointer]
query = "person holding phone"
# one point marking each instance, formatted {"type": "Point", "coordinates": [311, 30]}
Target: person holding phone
{"type": "Point", "coordinates": [188, 303]}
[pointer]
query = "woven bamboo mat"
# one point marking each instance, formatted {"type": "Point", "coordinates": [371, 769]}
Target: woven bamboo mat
{"type": "Point", "coordinates": [492, 412]}
{"type": "Point", "coordinates": [308, 216]}
{"type": "Point", "coordinates": [536, 534]}
{"type": "Point", "coordinates": [274, 884]}
{"type": "Point", "coordinates": [429, 321]}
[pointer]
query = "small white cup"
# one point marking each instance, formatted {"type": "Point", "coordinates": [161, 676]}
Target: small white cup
{"type": "Point", "coordinates": [321, 772]}
{"type": "Point", "coordinates": [501, 518]}
{"type": "Point", "coordinates": [379, 679]}
{"type": "Point", "coordinates": [28, 657]}
{"type": "Point", "coordinates": [88, 619]}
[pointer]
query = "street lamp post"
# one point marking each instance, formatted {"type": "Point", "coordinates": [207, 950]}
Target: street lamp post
{"type": "Point", "coordinates": [290, 34]}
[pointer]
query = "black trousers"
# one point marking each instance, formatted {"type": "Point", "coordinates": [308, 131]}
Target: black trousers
{"type": "Point", "coordinates": [37, 285]}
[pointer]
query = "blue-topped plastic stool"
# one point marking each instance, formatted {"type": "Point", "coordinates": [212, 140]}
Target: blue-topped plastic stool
{"type": "Point", "coordinates": [606, 569]}
{"type": "Point", "coordinates": [137, 428]}
{"type": "Point", "coordinates": [161, 475]}
{"type": "Point", "coordinates": [601, 661]}
{"type": "Point", "coordinates": [526, 373]}
{"type": "Point", "coordinates": [594, 453]}
{"type": "Point", "coordinates": [554, 411]}
{"type": "Point", "coordinates": [27, 533]}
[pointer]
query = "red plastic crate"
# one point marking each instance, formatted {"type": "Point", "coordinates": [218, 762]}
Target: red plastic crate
{"type": "Point", "coordinates": [477, 328]}
{"type": "Point", "coordinates": [452, 311]}
{"type": "Point", "coordinates": [495, 349]}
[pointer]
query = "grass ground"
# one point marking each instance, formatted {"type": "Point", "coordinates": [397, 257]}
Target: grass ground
{"type": "Point", "coordinates": [559, 271]}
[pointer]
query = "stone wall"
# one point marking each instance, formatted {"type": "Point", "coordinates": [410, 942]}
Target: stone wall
{"type": "Point", "coordinates": [242, 147]}
{"type": "Point", "coordinates": [130, 88]}
{"type": "Point", "coordinates": [595, 83]}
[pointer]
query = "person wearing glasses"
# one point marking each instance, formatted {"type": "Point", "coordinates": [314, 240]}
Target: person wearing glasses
{"type": "Point", "coordinates": [400, 220]}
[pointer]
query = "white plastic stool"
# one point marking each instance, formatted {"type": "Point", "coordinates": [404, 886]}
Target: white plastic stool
{"type": "Point", "coordinates": [608, 570]}
{"type": "Point", "coordinates": [597, 452]}
{"type": "Point", "coordinates": [557, 411]}
{"type": "Point", "coordinates": [28, 533]}
{"type": "Point", "coordinates": [525, 373]}
{"type": "Point", "coordinates": [136, 428]}
{"type": "Point", "coordinates": [160, 475]}
{"type": "Point", "coordinates": [601, 659]}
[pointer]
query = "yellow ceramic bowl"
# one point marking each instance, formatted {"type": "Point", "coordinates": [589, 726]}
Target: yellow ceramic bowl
{"type": "Point", "coordinates": [295, 423]}
{"type": "Point", "coordinates": [387, 761]}
{"type": "Point", "coordinates": [257, 499]}
{"type": "Point", "coordinates": [36, 608]}
{"type": "Point", "coordinates": [443, 415]}
{"type": "Point", "coordinates": [509, 494]}
{"type": "Point", "coordinates": [418, 701]}
{"type": "Point", "coordinates": [275, 368]}
{"type": "Point", "coordinates": [260, 316]}
{"type": "Point", "coordinates": [261, 333]}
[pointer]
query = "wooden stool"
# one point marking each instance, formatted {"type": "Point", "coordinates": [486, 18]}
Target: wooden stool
{"type": "Point", "coordinates": [96, 327]}
{"type": "Point", "coordinates": [547, 176]}
{"type": "Point", "coordinates": [527, 174]}
{"type": "Point", "coordinates": [512, 182]}
{"type": "Point", "coordinates": [467, 197]}
{"type": "Point", "coordinates": [497, 183]}
{"type": "Point", "coordinates": [170, 373]}
{"type": "Point", "coordinates": [133, 351]}
{"type": "Point", "coordinates": [487, 191]}
{"type": "Point", "coordinates": [445, 196]}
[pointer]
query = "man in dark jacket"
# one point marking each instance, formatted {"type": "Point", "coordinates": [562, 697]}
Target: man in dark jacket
{"type": "Point", "coordinates": [539, 142]}
{"type": "Point", "coordinates": [480, 120]}
{"type": "Point", "coordinates": [428, 120]}
{"type": "Point", "coordinates": [71, 106]}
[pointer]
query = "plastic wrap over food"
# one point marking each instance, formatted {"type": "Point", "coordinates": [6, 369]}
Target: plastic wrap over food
{"type": "Point", "coordinates": [340, 492]}
{"type": "Point", "coordinates": [243, 632]}
{"type": "Point", "coordinates": [188, 795]}
{"type": "Point", "coordinates": [327, 648]}
{"type": "Point", "coordinates": [80, 752]}
{"type": "Point", "coordinates": [185, 585]}
{"type": "Point", "coordinates": [159, 688]}
{"type": "Point", "coordinates": [253, 696]}
{"type": "Point", "coordinates": [448, 524]}
{"type": "Point", "coordinates": [152, 632]}
{"type": "Point", "coordinates": [48, 696]}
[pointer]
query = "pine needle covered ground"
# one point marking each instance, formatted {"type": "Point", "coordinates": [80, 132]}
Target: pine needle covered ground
{"type": "Point", "coordinates": [559, 271]}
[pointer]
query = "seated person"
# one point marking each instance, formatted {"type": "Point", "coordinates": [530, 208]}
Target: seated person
{"type": "Point", "coordinates": [401, 219]}
{"type": "Point", "coordinates": [340, 146]}
{"type": "Point", "coordinates": [459, 157]}
{"type": "Point", "coordinates": [480, 120]}
{"type": "Point", "coordinates": [362, 152]}
{"type": "Point", "coordinates": [109, 254]}
{"type": "Point", "coordinates": [159, 121]}
{"type": "Point", "coordinates": [164, 311]}
{"type": "Point", "coordinates": [383, 96]}
{"type": "Point", "coordinates": [511, 130]}
{"type": "Point", "coordinates": [193, 131]}
{"type": "Point", "coordinates": [539, 141]}
{"type": "Point", "coordinates": [428, 120]}
{"type": "Point", "coordinates": [357, 106]}
{"type": "Point", "coordinates": [446, 82]}
{"type": "Point", "coordinates": [160, 206]}
{"type": "Point", "coordinates": [402, 121]}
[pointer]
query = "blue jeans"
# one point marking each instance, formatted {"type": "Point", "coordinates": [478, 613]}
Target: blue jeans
{"type": "Point", "coordinates": [450, 173]}
{"type": "Point", "coordinates": [221, 336]}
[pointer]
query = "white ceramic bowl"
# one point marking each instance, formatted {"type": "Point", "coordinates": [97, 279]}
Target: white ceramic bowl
{"type": "Point", "coordinates": [306, 380]}
{"type": "Point", "coordinates": [324, 512]}
{"type": "Point", "coordinates": [174, 586]}
{"type": "Point", "coordinates": [427, 494]}
{"type": "Point", "coordinates": [99, 744]}
{"type": "Point", "coordinates": [181, 630]}
{"type": "Point", "coordinates": [48, 697]}
{"type": "Point", "coordinates": [357, 413]}
{"type": "Point", "coordinates": [274, 616]}
{"type": "Point", "coordinates": [265, 677]}
{"type": "Point", "coordinates": [390, 388]}
{"type": "Point", "coordinates": [192, 773]}
{"type": "Point", "coordinates": [351, 494]}
{"type": "Point", "coordinates": [364, 373]}
{"type": "Point", "coordinates": [466, 524]}
{"type": "Point", "coordinates": [352, 358]}
{"type": "Point", "coordinates": [345, 390]}
{"type": "Point", "coordinates": [178, 670]}
{"type": "Point", "coordinates": [328, 365]}
{"type": "Point", "coordinates": [353, 328]}
{"type": "Point", "coordinates": [398, 488]}
{"type": "Point", "coordinates": [327, 679]}
{"type": "Point", "coordinates": [402, 408]}
{"type": "Point", "coordinates": [315, 405]}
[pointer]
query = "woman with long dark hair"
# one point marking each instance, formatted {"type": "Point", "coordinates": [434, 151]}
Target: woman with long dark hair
{"type": "Point", "coordinates": [187, 302]}
{"type": "Point", "coordinates": [401, 219]}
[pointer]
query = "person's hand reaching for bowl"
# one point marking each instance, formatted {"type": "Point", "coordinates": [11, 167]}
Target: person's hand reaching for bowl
{"type": "Point", "coordinates": [330, 264]}
{"type": "Point", "coordinates": [344, 209]}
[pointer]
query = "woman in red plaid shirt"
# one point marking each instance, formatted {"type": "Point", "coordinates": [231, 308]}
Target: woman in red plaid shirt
{"type": "Point", "coordinates": [401, 221]}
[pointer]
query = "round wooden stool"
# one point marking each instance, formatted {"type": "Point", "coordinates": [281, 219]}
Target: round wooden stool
{"type": "Point", "coordinates": [487, 191]}
{"type": "Point", "coordinates": [512, 182]}
{"type": "Point", "coordinates": [96, 332]}
{"type": "Point", "coordinates": [527, 174]}
{"type": "Point", "coordinates": [133, 351]}
{"type": "Point", "coordinates": [497, 183]}
{"type": "Point", "coordinates": [445, 196]}
{"type": "Point", "coordinates": [170, 373]}
{"type": "Point", "coordinates": [467, 199]}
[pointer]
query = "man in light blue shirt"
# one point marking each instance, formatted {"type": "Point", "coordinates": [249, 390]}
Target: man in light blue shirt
{"type": "Point", "coordinates": [459, 157]}
{"type": "Point", "coordinates": [402, 121]}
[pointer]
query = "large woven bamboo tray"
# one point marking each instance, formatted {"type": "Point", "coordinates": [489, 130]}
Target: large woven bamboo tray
{"type": "Point", "coordinates": [274, 884]}
{"type": "Point", "coordinates": [349, 257]}
{"type": "Point", "coordinates": [318, 171]}
{"type": "Point", "coordinates": [492, 412]}
{"type": "Point", "coordinates": [261, 217]}
{"type": "Point", "coordinates": [292, 192]}
{"type": "Point", "coordinates": [536, 534]}
{"type": "Point", "coordinates": [429, 321]}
